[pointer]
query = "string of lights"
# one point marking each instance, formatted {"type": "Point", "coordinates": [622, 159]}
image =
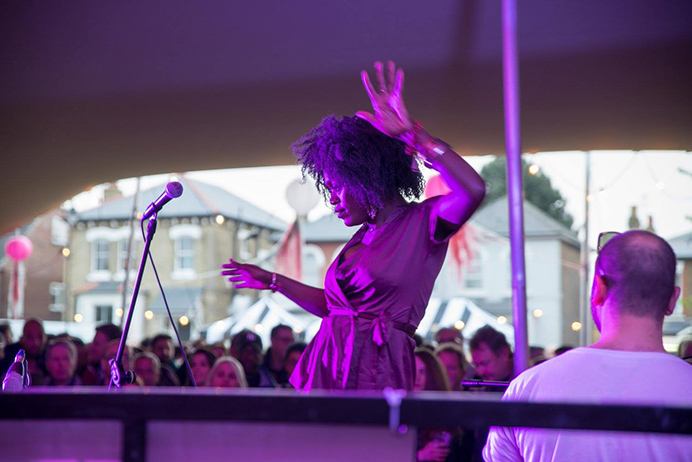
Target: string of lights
{"type": "Point", "coordinates": [621, 173]}
{"type": "Point", "coordinates": [660, 185]}
{"type": "Point", "coordinates": [545, 164]}
{"type": "Point", "coordinates": [552, 171]}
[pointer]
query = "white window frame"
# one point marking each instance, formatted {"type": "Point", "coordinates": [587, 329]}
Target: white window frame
{"type": "Point", "coordinates": [185, 253]}
{"type": "Point", "coordinates": [57, 293]}
{"type": "Point", "coordinates": [97, 309]}
{"type": "Point", "coordinates": [176, 234]}
{"type": "Point", "coordinates": [478, 273]}
{"type": "Point", "coordinates": [245, 233]}
{"type": "Point", "coordinates": [59, 232]}
{"type": "Point", "coordinates": [96, 274]}
{"type": "Point", "coordinates": [110, 235]}
{"type": "Point", "coordinates": [121, 256]}
{"type": "Point", "coordinates": [313, 276]}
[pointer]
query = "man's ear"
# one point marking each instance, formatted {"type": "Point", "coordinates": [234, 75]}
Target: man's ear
{"type": "Point", "coordinates": [673, 301]}
{"type": "Point", "coordinates": [599, 291]}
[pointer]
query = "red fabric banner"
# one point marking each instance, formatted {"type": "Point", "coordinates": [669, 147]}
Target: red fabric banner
{"type": "Point", "coordinates": [462, 243]}
{"type": "Point", "coordinates": [288, 257]}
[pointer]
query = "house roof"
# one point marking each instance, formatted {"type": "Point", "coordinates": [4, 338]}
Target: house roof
{"type": "Point", "coordinates": [105, 287]}
{"type": "Point", "coordinates": [493, 217]}
{"type": "Point", "coordinates": [537, 224]}
{"type": "Point", "coordinates": [199, 199]}
{"type": "Point", "coordinates": [682, 245]}
{"type": "Point", "coordinates": [180, 300]}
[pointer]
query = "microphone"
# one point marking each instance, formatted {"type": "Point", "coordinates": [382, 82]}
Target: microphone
{"type": "Point", "coordinates": [17, 376]}
{"type": "Point", "coordinates": [173, 190]}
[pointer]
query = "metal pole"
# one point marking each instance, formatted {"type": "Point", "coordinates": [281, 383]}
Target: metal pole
{"type": "Point", "coordinates": [118, 373]}
{"type": "Point", "coordinates": [584, 306]}
{"type": "Point", "coordinates": [514, 185]}
{"type": "Point", "coordinates": [300, 222]}
{"type": "Point", "coordinates": [128, 260]}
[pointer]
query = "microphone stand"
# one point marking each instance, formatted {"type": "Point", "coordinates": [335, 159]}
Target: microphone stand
{"type": "Point", "coordinates": [119, 375]}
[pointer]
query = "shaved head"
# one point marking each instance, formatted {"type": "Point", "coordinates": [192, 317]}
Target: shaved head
{"type": "Point", "coordinates": [638, 268]}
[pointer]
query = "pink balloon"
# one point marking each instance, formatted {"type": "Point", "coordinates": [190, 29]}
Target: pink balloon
{"type": "Point", "coordinates": [19, 248]}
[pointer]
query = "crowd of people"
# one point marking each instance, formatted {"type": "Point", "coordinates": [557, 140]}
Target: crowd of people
{"type": "Point", "coordinates": [375, 294]}
{"type": "Point", "coordinates": [443, 364]}
{"type": "Point", "coordinates": [633, 291]}
{"type": "Point", "coordinates": [62, 360]}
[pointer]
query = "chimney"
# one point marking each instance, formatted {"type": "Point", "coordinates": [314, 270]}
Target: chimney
{"type": "Point", "coordinates": [111, 192]}
{"type": "Point", "coordinates": [633, 222]}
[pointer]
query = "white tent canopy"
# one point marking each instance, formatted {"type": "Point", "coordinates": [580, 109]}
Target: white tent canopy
{"type": "Point", "coordinates": [261, 317]}
{"type": "Point", "coordinates": [271, 310]}
{"type": "Point", "coordinates": [446, 313]}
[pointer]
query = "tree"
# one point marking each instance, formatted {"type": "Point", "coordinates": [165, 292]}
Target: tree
{"type": "Point", "coordinates": [537, 189]}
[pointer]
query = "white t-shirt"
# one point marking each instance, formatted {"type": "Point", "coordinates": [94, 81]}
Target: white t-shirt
{"type": "Point", "coordinates": [592, 375]}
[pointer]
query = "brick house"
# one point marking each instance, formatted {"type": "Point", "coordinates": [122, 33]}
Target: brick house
{"type": "Point", "coordinates": [196, 233]}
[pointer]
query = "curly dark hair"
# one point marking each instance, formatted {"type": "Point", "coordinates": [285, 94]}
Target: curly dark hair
{"type": "Point", "coordinates": [374, 167]}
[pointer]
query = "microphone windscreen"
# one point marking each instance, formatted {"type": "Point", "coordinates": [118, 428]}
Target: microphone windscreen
{"type": "Point", "coordinates": [174, 189]}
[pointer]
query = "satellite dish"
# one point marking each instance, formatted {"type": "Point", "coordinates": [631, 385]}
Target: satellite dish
{"type": "Point", "coordinates": [302, 196]}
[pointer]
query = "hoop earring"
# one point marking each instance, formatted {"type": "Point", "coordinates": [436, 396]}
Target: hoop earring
{"type": "Point", "coordinates": [372, 211]}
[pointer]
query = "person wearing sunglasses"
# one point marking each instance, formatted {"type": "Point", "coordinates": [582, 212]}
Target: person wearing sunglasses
{"type": "Point", "coordinates": [633, 290]}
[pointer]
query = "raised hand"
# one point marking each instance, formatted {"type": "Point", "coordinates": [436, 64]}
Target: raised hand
{"type": "Point", "coordinates": [246, 276]}
{"type": "Point", "coordinates": [390, 114]}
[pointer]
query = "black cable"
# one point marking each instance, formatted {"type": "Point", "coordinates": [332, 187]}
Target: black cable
{"type": "Point", "coordinates": [170, 316]}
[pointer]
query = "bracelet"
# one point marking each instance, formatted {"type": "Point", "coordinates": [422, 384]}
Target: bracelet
{"type": "Point", "coordinates": [411, 138]}
{"type": "Point", "coordinates": [433, 148]}
{"type": "Point", "coordinates": [273, 286]}
{"type": "Point", "coordinates": [427, 149]}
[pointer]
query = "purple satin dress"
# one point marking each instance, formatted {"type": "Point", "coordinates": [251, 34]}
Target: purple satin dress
{"type": "Point", "coordinates": [376, 298]}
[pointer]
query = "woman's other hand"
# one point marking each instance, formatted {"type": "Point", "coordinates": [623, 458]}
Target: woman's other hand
{"type": "Point", "coordinates": [246, 276]}
{"type": "Point", "coordinates": [433, 451]}
{"type": "Point", "coordinates": [391, 116]}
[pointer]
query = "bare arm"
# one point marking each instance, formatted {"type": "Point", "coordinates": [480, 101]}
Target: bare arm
{"type": "Point", "coordinates": [392, 118]}
{"type": "Point", "coordinates": [246, 276]}
{"type": "Point", "coordinates": [467, 186]}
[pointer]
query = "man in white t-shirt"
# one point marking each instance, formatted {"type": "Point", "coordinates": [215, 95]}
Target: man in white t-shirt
{"type": "Point", "coordinates": [633, 289]}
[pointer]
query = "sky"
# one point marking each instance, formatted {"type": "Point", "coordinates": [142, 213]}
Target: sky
{"type": "Point", "coordinates": [658, 183]}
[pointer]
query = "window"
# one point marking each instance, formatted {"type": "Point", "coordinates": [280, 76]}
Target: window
{"type": "Point", "coordinates": [103, 313]}
{"type": "Point", "coordinates": [474, 273]}
{"type": "Point", "coordinates": [313, 262]}
{"type": "Point", "coordinates": [185, 253]}
{"type": "Point", "coordinates": [57, 294]}
{"type": "Point", "coordinates": [59, 232]}
{"type": "Point", "coordinates": [99, 255]}
{"type": "Point", "coordinates": [184, 237]}
{"type": "Point", "coordinates": [122, 254]}
{"type": "Point", "coordinates": [247, 238]}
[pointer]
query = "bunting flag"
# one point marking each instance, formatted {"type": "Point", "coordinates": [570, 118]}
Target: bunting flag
{"type": "Point", "coordinates": [13, 295]}
{"type": "Point", "coordinates": [288, 257]}
{"type": "Point", "coordinates": [15, 307]}
{"type": "Point", "coordinates": [462, 243]}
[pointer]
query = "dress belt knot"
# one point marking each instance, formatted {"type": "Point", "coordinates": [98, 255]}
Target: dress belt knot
{"type": "Point", "coordinates": [379, 334]}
